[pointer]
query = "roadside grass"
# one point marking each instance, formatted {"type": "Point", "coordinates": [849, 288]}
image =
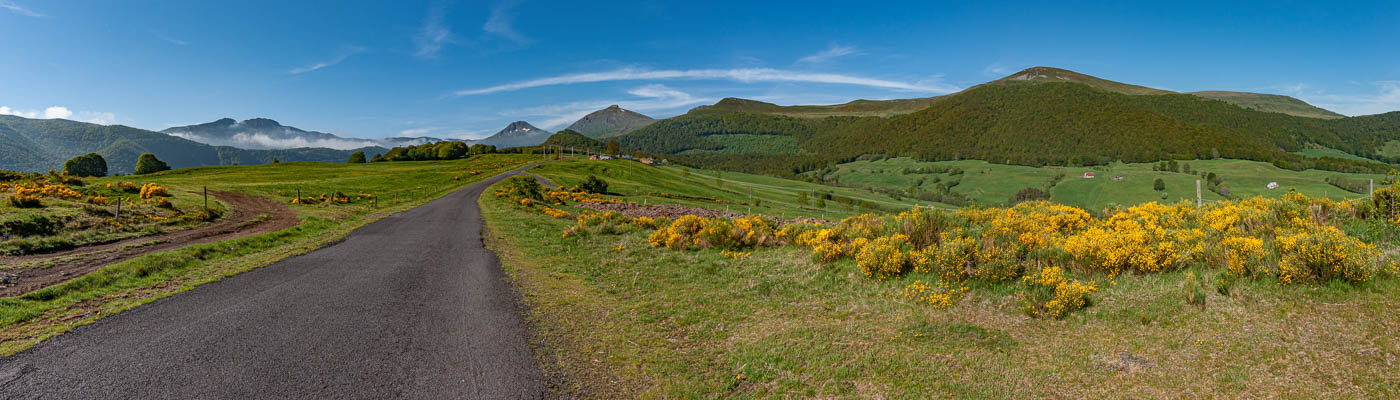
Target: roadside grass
{"type": "Point", "coordinates": [30, 318]}
{"type": "Point", "coordinates": [994, 184]}
{"type": "Point", "coordinates": [623, 319]}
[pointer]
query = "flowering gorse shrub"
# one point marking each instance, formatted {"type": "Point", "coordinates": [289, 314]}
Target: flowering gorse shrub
{"type": "Point", "coordinates": [1050, 294]}
{"type": "Point", "coordinates": [724, 233]}
{"type": "Point", "coordinates": [150, 190]}
{"type": "Point", "coordinates": [884, 257]}
{"type": "Point", "coordinates": [1315, 253]}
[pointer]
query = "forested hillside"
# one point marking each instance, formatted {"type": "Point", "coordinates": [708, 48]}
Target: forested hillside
{"type": "Point", "coordinates": [42, 144]}
{"type": "Point", "coordinates": [1049, 123]}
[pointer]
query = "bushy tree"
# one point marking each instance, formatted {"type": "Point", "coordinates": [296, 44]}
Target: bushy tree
{"type": "Point", "coordinates": [594, 184]}
{"type": "Point", "coordinates": [90, 164]}
{"type": "Point", "coordinates": [1159, 185]}
{"type": "Point", "coordinates": [357, 157]}
{"type": "Point", "coordinates": [613, 147]}
{"type": "Point", "coordinates": [377, 158]}
{"type": "Point", "coordinates": [148, 163]}
{"type": "Point", "coordinates": [1030, 194]}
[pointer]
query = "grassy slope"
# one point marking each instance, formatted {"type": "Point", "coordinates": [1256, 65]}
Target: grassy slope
{"type": "Point", "coordinates": [624, 319]}
{"type": "Point", "coordinates": [28, 319]}
{"type": "Point", "coordinates": [777, 197]}
{"type": "Point", "coordinates": [995, 183]}
{"type": "Point", "coordinates": [1270, 103]}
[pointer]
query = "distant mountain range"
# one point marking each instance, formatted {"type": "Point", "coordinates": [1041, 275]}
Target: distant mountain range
{"type": "Point", "coordinates": [609, 122]}
{"type": "Point", "coordinates": [1037, 116]}
{"type": "Point", "coordinates": [517, 134]}
{"type": "Point", "coordinates": [266, 134]}
{"type": "Point", "coordinates": [34, 145]}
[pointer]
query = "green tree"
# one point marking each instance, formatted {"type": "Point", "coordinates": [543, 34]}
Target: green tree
{"type": "Point", "coordinates": [593, 184]}
{"type": "Point", "coordinates": [377, 158]}
{"type": "Point", "coordinates": [613, 147]}
{"type": "Point", "coordinates": [90, 164]}
{"type": "Point", "coordinates": [275, 160]}
{"type": "Point", "coordinates": [1159, 185]}
{"type": "Point", "coordinates": [148, 163]}
{"type": "Point", "coordinates": [357, 157]}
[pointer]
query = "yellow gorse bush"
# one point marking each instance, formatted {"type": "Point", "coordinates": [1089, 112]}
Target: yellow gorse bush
{"type": "Point", "coordinates": [150, 190]}
{"type": "Point", "coordinates": [31, 189]}
{"type": "Point", "coordinates": [1050, 293]}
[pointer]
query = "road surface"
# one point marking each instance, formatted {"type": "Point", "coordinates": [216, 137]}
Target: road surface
{"type": "Point", "coordinates": [410, 306]}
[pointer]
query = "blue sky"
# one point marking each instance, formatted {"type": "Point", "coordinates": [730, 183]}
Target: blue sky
{"type": "Point", "coordinates": [467, 68]}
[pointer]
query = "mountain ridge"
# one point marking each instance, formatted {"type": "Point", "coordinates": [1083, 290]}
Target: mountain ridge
{"type": "Point", "coordinates": [609, 122]}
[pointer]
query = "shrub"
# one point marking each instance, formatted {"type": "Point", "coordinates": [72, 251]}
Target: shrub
{"type": "Point", "coordinates": [1029, 194]}
{"type": "Point", "coordinates": [90, 164]}
{"type": "Point", "coordinates": [1159, 185]}
{"type": "Point", "coordinates": [678, 235]}
{"type": "Point", "coordinates": [148, 163]}
{"type": "Point", "coordinates": [1244, 255]}
{"type": "Point", "coordinates": [150, 190]}
{"type": "Point", "coordinates": [594, 184]}
{"type": "Point", "coordinates": [522, 186]}
{"type": "Point", "coordinates": [1319, 253]}
{"type": "Point", "coordinates": [25, 201]}
{"type": "Point", "coordinates": [1050, 293]}
{"type": "Point", "coordinates": [884, 257]}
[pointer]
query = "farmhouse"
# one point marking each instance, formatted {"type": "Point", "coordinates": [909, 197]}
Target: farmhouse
{"type": "Point", "coordinates": [1088, 175]}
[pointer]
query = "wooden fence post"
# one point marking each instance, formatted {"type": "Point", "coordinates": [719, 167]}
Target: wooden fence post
{"type": "Point", "coordinates": [1198, 193]}
{"type": "Point", "coordinates": [206, 197]}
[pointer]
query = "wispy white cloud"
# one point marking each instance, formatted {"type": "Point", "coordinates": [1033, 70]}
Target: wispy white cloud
{"type": "Point", "coordinates": [9, 5]}
{"type": "Point", "coordinates": [502, 23]}
{"type": "Point", "coordinates": [168, 39]}
{"type": "Point", "coordinates": [746, 75]}
{"type": "Point", "coordinates": [997, 69]}
{"type": "Point", "coordinates": [648, 98]}
{"type": "Point", "coordinates": [345, 53]}
{"type": "Point", "coordinates": [1385, 98]}
{"type": "Point", "coordinates": [834, 51]}
{"type": "Point", "coordinates": [433, 35]}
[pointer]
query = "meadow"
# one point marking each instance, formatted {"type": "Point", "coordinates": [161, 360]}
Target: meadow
{"type": "Point", "coordinates": [367, 192]}
{"type": "Point", "coordinates": [1148, 301]}
{"type": "Point", "coordinates": [995, 184]}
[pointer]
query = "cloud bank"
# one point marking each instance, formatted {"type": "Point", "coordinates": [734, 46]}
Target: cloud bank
{"type": "Point", "coordinates": [59, 112]}
{"type": "Point", "coordinates": [745, 75]}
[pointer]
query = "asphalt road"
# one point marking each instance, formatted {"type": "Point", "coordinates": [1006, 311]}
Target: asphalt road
{"type": "Point", "coordinates": [411, 306]}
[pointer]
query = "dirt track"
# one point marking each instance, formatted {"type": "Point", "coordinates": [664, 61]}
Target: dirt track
{"type": "Point", "coordinates": [243, 219]}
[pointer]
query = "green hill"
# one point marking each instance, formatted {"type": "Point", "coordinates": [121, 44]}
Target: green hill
{"type": "Point", "coordinates": [1050, 117]}
{"type": "Point", "coordinates": [42, 144]}
{"type": "Point", "coordinates": [572, 139]}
